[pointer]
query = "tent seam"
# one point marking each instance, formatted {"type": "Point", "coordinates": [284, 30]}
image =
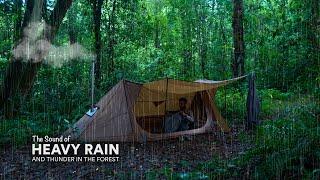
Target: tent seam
{"type": "Point", "coordinates": [125, 93]}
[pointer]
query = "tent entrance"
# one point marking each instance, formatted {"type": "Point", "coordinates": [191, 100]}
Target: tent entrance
{"type": "Point", "coordinates": [152, 124]}
{"type": "Point", "coordinates": [151, 115]}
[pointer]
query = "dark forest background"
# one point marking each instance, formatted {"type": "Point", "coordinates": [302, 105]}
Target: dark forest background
{"type": "Point", "coordinates": [145, 40]}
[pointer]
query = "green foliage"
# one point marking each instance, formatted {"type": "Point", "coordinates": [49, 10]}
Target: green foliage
{"type": "Point", "coordinates": [169, 173]}
{"type": "Point", "coordinates": [232, 103]}
{"type": "Point", "coordinates": [285, 56]}
{"type": "Point", "coordinates": [17, 132]}
{"type": "Point", "coordinates": [187, 40]}
{"type": "Point", "coordinates": [217, 168]}
{"type": "Point", "coordinates": [151, 174]}
{"type": "Point", "coordinates": [276, 94]}
{"type": "Point", "coordinates": [287, 147]}
{"type": "Point", "coordinates": [194, 40]}
{"type": "Point", "coordinates": [273, 103]}
{"type": "Point", "coordinates": [59, 98]}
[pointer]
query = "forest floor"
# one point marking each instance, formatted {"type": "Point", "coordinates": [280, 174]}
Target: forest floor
{"type": "Point", "coordinates": [136, 160]}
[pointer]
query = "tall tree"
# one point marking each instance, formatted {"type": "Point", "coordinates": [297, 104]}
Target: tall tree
{"type": "Point", "coordinates": [18, 19]}
{"type": "Point", "coordinates": [313, 35]}
{"type": "Point", "coordinates": [19, 76]}
{"type": "Point", "coordinates": [202, 38]}
{"type": "Point", "coordinates": [238, 40]}
{"type": "Point", "coordinates": [97, 7]}
{"type": "Point", "coordinates": [157, 25]}
{"type": "Point", "coordinates": [187, 26]}
{"type": "Point", "coordinates": [72, 21]}
{"type": "Point", "coordinates": [111, 38]}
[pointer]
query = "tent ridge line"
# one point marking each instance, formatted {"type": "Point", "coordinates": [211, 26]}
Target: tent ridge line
{"type": "Point", "coordinates": [220, 81]}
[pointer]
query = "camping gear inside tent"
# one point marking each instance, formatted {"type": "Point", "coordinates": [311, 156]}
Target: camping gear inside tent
{"type": "Point", "coordinates": [136, 112]}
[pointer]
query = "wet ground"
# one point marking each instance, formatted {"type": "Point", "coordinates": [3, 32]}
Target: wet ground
{"type": "Point", "coordinates": [136, 159]}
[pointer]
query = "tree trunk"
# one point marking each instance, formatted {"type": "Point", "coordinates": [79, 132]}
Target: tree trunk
{"type": "Point", "coordinates": [187, 53]}
{"type": "Point", "coordinates": [238, 40]}
{"type": "Point", "coordinates": [157, 35]}
{"type": "Point", "coordinates": [111, 39]}
{"type": "Point", "coordinates": [313, 24]}
{"type": "Point", "coordinates": [157, 25]}
{"type": "Point", "coordinates": [27, 15]}
{"type": "Point", "coordinates": [203, 40]}
{"type": "Point", "coordinates": [17, 26]}
{"type": "Point", "coordinates": [313, 36]}
{"type": "Point", "coordinates": [225, 44]}
{"type": "Point", "coordinates": [44, 10]}
{"type": "Point", "coordinates": [20, 75]}
{"type": "Point", "coordinates": [72, 26]}
{"type": "Point", "coordinates": [97, 6]}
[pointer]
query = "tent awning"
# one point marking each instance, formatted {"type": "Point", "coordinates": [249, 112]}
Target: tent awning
{"type": "Point", "coordinates": [183, 87]}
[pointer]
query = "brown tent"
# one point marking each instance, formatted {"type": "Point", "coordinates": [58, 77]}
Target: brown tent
{"type": "Point", "coordinates": [135, 112]}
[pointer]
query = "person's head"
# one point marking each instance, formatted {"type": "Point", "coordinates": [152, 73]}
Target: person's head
{"type": "Point", "coordinates": [183, 103]}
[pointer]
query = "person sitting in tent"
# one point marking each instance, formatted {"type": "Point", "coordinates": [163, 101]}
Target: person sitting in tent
{"type": "Point", "coordinates": [181, 120]}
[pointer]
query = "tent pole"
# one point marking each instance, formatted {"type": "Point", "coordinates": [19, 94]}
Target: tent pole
{"type": "Point", "coordinates": [165, 102]}
{"type": "Point", "coordinates": [93, 108]}
{"type": "Point", "coordinates": [225, 100]}
{"type": "Point", "coordinates": [92, 85]}
{"type": "Point", "coordinates": [165, 107]}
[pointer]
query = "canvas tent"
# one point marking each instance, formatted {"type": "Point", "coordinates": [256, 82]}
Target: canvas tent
{"type": "Point", "coordinates": [135, 112]}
